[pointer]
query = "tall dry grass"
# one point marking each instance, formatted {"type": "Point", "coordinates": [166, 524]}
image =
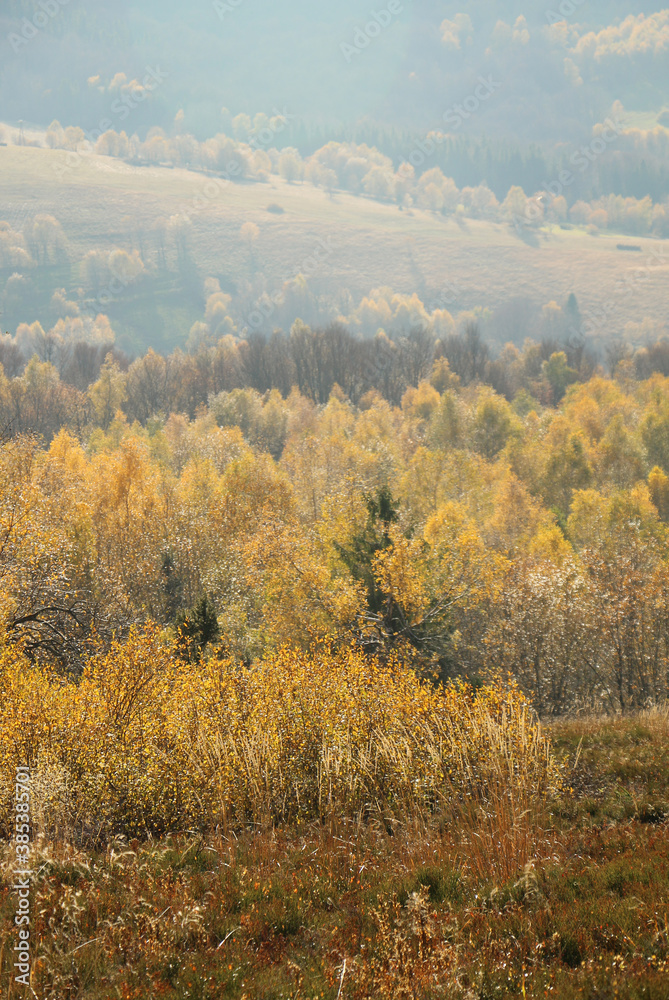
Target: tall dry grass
{"type": "Point", "coordinates": [143, 744]}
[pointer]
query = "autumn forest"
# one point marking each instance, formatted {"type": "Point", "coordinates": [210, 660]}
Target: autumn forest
{"type": "Point", "coordinates": [334, 500]}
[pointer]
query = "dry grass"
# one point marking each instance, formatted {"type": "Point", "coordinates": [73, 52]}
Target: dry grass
{"type": "Point", "coordinates": [144, 743]}
{"type": "Point", "coordinates": [428, 854]}
{"type": "Point", "coordinates": [349, 912]}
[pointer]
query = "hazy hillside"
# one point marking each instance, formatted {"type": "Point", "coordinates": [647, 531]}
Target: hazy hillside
{"type": "Point", "coordinates": [423, 59]}
{"type": "Point", "coordinates": [346, 247]}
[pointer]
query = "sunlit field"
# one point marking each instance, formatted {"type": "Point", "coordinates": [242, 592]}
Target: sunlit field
{"type": "Point", "coordinates": [102, 202]}
{"type": "Point", "coordinates": [511, 891]}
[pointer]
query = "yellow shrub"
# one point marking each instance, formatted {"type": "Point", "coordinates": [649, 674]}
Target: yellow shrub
{"type": "Point", "coordinates": [144, 743]}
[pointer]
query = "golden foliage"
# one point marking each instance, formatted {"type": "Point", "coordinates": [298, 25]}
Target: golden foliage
{"type": "Point", "coordinates": [144, 743]}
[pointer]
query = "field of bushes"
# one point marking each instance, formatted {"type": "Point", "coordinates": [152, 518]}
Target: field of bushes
{"type": "Point", "coordinates": [532, 862]}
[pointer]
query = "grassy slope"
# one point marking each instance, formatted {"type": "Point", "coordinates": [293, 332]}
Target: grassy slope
{"type": "Point", "coordinates": [276, 914]}
{"type": "Point", "coordinates": [372, 244]}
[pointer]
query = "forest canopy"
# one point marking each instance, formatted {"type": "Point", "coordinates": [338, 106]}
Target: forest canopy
{"type": "Point", "coordinates": [516, 526]}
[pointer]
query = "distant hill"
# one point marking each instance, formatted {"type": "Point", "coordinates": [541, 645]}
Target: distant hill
{"type": "Point", "coordinates": [333, 65]}
{"type": "Point", "coordinates": [463, 265]}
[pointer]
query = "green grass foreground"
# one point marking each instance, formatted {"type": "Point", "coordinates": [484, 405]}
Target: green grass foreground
{"type": "Point", "coordinates": [370, 912]}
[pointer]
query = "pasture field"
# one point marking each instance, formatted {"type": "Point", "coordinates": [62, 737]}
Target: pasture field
{"type": "Point", "coordinates": [102, 202]}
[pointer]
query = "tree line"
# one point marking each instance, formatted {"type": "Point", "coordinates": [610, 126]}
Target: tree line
{"type": "Point", "coordinates": [80, 385]}
{"type": "Point", "coordinates": [450, 526]}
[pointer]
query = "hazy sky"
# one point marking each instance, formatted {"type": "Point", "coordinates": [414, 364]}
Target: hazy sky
{"type": "Point", "coordinates": [399, 62]}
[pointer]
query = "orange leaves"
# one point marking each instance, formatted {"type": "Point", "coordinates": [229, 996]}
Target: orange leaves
{"type": "Point", "coordinates": [399, 571]}
{"type": "Point", "coordinates": [144, 743]}
{"type": "Point", "coordinates": [463, 567]}
{"type": "Point", "coordinates": [126, 676]}
{"type": "Point", "coordinates": [38, 507]}
{"type": "Point", "coordinates": [658, 484]}
{"type": "Point", "coordinates": [295, 592]}
{"type": "Point", "coordinates": [535, 542]}
{"type": "Point", "coordinates": [549, 544]}
{"type": "Point", "coordinates": [494, 425]}
{"type": "Point", "coordinates": [517, 517]}
{"type": "Point", "coordinates": [253, 494]}
{"type": "Point", "coordinates": [608, 522]}
{"type": "Point", "coordinates": [108, 393]}
{"type": "Point", "coordinates": [421, 403]}
{"type": "Point", "coordinates": [67, 451]}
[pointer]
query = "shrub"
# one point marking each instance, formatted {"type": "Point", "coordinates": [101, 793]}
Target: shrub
{"type": "Point", "coordinates": [144, 742]}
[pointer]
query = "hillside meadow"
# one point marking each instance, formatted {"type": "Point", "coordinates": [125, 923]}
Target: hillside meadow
{"type": "Point", "coordinates": [333, 698]}
{"type": "Point", "coordinates": [568, 900]}
{"type": "Point", "coordinates": [102, 203]}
